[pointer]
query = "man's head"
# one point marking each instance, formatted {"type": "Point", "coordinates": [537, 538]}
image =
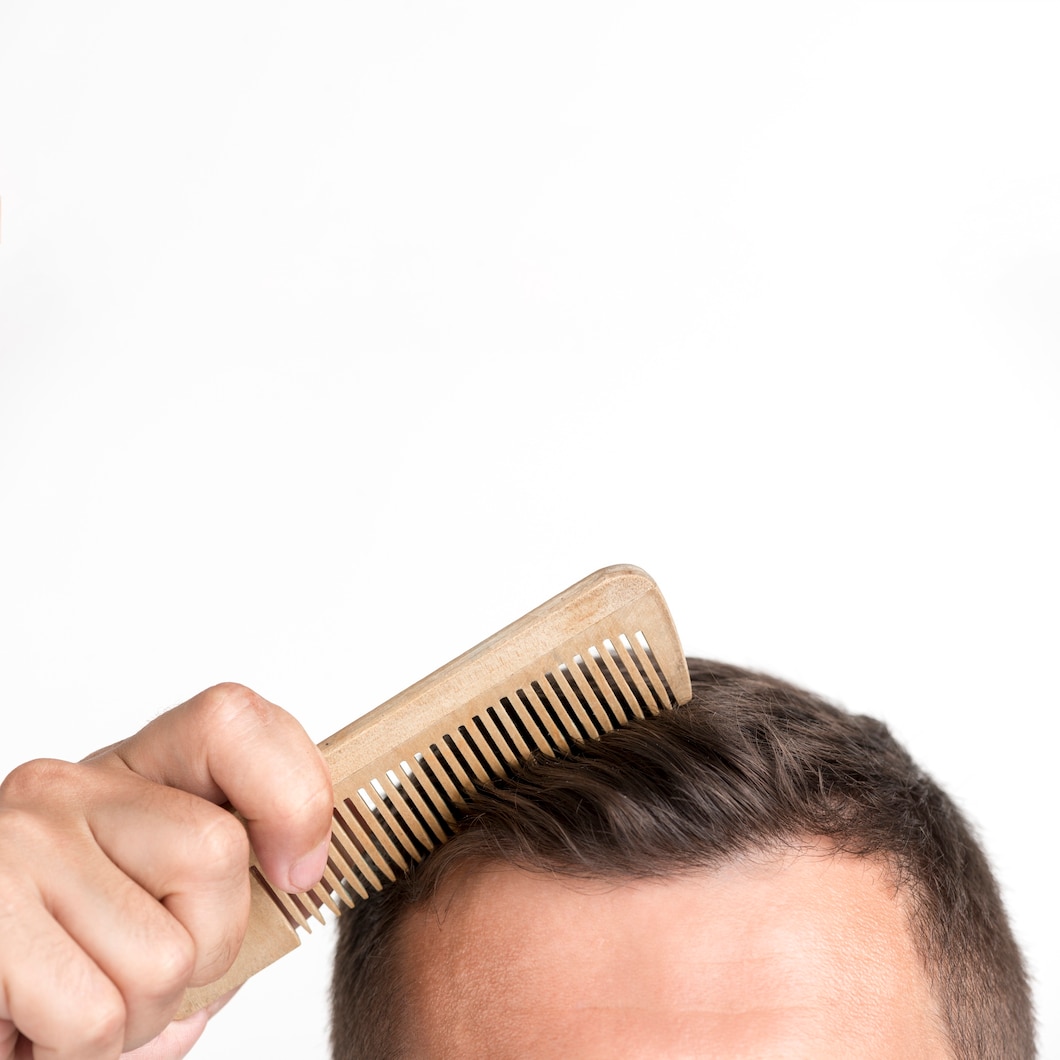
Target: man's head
{"type": "Point", "coordinates": [752, 868]}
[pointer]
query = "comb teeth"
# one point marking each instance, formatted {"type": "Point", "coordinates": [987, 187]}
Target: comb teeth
{"type": "Point", "coordinates": [562, 674]}
{"type": "Point", "coordinates": [393, 814]}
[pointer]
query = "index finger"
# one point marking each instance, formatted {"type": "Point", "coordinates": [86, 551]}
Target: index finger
{"type": "Point", "coordinates": [228, 743]}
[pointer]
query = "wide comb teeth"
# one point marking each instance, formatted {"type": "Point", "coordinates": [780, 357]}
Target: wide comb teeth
{"type": "Point", "coordinates": [395, 812]}
{"type": "Point", "coordinates": [590, 659]}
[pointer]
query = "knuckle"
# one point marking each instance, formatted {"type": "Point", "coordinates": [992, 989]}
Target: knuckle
{"type": "Point", "coordinates": [221, 844]}
{"type": "Point", "coordinates": [234, 706]}
{"type": "Point", "coordinates": [320, 802]}
{"type": "Point", "coordinates": [172, 963]}
{"type": "Point", "coordinates": [232, 698]}
{"type": "Point", "coordinates": [215, 961]}
{"type": "Point", "coordinates": [33, 833]}
{"type": "Point", "coordinates": [33, 782]}
{"type": "Point", "coordinates": [103, 1026]}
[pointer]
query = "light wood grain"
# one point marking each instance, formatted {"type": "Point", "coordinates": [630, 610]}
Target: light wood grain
{"type": "Point", "coordinates": [601, 652]}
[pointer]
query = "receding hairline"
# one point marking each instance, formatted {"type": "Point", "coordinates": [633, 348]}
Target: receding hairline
{"type": "Point", "coordinates": [447, 879]}
{"type": "Point", "coordinates": [751, 764]}
{"type": "Point", "coordinates": [459, 916]}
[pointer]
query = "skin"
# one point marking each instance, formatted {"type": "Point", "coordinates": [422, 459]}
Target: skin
{"type": "Point", "coordinates": [805, 954]}
{"type": "Point", "coordinates": [123, 881]}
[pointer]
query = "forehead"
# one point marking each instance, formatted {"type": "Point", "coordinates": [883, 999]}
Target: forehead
{"type": "Point", "coordinates": [801, 954]}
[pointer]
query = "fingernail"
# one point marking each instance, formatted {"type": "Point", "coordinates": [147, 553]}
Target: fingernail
{"type": "Point", "coordinates": [306, 872]}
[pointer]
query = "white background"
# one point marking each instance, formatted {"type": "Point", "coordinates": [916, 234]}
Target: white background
{"type": "Point", "coordinates": [334, 336]}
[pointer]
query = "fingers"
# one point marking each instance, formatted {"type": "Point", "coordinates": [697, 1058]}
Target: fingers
{"type": "Point", "coordinates": [229, 743]}
{"type": "Point", "coordinates": [122, 881]}
{"type": "Point", "coordinates": [185, 852]}
{"type": "Point", "coordinates": [141, 892]}
{"type": "Point", "coordinates": [78, 1014]}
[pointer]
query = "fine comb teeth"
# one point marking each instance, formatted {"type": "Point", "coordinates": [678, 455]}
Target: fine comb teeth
{"type": "Point", "coordinates": [597, 655]}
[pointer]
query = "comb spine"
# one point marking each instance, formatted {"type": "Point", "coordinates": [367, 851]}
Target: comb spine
{"type": "Point", "coordinates": [557, 695]}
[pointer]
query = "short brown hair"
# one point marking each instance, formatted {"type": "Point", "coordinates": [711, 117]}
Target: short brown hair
{"type": "Point", "coordinates": [750, 763]}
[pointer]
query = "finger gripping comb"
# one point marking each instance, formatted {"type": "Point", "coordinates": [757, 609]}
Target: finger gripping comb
{"type": "Point", "coordinates": [597, 655]}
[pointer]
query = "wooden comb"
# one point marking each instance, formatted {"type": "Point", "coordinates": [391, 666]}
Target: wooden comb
{"type": "Point", "coordinates": [593, 657]}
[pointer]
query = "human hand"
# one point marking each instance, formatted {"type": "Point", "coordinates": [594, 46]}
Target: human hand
{"type": "Point", "coordinates": [123, 881]}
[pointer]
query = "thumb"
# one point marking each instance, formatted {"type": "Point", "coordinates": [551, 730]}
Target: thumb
{"type": "Point", "coordinates": [228, 743]}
